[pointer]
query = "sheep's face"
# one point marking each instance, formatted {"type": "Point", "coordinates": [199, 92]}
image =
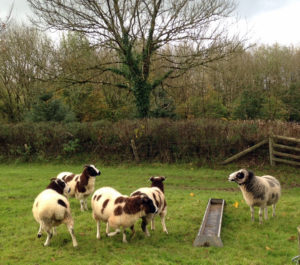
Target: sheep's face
{"type": "Point", "coordinates": [148, 205]}
{"type": "Point", "coordinates": [241, 176]}
{"type": "Point", "coordinates": [92, 170]}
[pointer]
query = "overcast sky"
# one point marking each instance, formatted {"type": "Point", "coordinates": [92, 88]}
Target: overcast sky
{"type": "Point", "coordinates": [268, 21]}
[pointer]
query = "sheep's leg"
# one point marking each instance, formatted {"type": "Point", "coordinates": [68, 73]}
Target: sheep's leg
{"type": "Point", "coordinates": [133, 231]}
{"type": "Point", "coordinates": [98, 236]}
{"type": "Point", "coordinates": [54, 231]}
{"type": "Point", "coordinates": [252, 213]}
{"type": "Point", "coordinates": [260, 213]}
{"type": "Point", "coordinates": [124, 236]}
{"type": "Point", "coordinates": [39, 234]}
{"type": "Point", "coordinates": [85, 204]}
{"type": "Point", "coordinates": [266, 213]}
{"type": "Point", "coordinates": [71, 231]}
{"type": "Point", "coordinates": [49, 236]}
{"type": "Point", "coordinates": [82, 205]}
{"type": "Point", "coordinates": [152, 224]}
{"type": "Point", "coordinates": [273, 207]}
{"type": "Point", "coordinates": [117, 231]}
{"type": "Point", "coordinates": [163, 222]}
{"type": "Point", "coordinates": [144, 226]}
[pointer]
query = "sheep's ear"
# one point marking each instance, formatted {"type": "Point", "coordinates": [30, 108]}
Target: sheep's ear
{"type": "Point", "coordinates": [52, 179]}
{"type": "Point", "coordinates": [163, 178]}
{"type": "Point", "coordinates": [86, 166]}
{"type": "Point", "coordinates": [151, 179]}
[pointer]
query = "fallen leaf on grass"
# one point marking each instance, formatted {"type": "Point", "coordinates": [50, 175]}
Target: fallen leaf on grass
{"type": "Point", "coordinates": [292, 238]}
{"type": "Point", "coordinates": [268, 248]}
{"type": "Point", "coordinates": [53, 259]}
{"type": "Point", "coordinates": [192, 194]}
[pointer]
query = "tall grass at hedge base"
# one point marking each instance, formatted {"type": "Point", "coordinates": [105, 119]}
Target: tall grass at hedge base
{"type": "Point", "coordinates": [162, 140]}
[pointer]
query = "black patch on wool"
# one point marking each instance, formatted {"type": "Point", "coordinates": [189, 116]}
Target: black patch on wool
{"type": "Point", "coordinates": [62, 203]}
{"type": "Point", "coordinates": [254, 188]}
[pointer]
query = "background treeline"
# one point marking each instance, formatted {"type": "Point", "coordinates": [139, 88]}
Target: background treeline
{"type": "Point", "coordinates": [43, 80]}
{"type": "Point", "coordinates": [163, 140]}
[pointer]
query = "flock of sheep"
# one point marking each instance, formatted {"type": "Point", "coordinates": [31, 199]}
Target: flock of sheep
{"type": "Point", "coordinates": [51, 207]}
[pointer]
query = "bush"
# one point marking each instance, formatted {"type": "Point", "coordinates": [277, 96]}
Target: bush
{"type": "Point", "coordinates": [163, 140]}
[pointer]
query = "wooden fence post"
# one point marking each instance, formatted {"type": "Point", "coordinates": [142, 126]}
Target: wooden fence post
{"type": "Point", "coordinates": [298, 228]}
{"type": "Point", "coordinates": [271, 143]}
{"type": "Point", "coordinates": [135, 153]}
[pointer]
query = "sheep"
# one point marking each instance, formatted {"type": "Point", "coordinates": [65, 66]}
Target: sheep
{"type": "Point", "coordinates": [119, 210]}
{"type": "Point", "coordinates": [257, 191]}
{"type": "Point", "coordinates": [82, 185]}
{"type": "Point", "coordinates": [51, 208]}
{"type": "Point", "coordinates": [156, 194]}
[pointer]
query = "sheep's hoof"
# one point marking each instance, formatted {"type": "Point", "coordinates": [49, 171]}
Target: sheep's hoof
{"type": "Point", "coordinates": [39, 235]}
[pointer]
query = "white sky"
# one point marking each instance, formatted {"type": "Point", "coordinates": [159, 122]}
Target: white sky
{"type": "Point", "coordinates": [267, 21]}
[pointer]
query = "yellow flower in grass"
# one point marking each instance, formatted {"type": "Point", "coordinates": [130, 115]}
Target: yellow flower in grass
{"type": "Point", "coordinates": [192, 194]}
{"type": "Point", "coordinates": [236, 204]}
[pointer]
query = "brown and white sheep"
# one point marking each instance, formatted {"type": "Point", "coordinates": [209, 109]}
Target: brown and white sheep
{"type": "Point", "coordinates": [156, 194]}
{"type": "Point", "coordinates": [82, 185]}
{"type": "Point", "coordinates": [257, 191]}
{"type": "Point", "coordinates": [51, 208]}
{"type": "Point", "coordinates": [118, 211]}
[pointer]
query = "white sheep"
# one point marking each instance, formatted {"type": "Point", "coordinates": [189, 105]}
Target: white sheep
{"type": "Point", "coordinates": [117, 210]}
{"type": "Point", "coordinates": [82, 185]}
{"type": "Point", "coordinates": [257, 191]}
{"type": "Point", "coordinates": [156, 194]}
{"type": "Point", "coordinates": [51, 208]}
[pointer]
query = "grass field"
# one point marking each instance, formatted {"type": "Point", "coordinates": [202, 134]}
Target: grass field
{"type": "Point", "coordinates": [274, 242]}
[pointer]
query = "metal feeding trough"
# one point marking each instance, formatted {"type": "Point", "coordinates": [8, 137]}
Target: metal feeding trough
{"type": "Point", "coordinates": [210, 230]}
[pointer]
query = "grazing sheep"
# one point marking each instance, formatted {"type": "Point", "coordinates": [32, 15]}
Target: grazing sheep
{"type": "Point", "coordinates": [257, 191]}
{"type": "Point", "coordinates": [82, 185]}
{"type": "Point", "coordinates": [51, 208]}
{"type": "Point", "coordinates": [117, 210]}
{"type": "Point", "coordinates": [156, 194]}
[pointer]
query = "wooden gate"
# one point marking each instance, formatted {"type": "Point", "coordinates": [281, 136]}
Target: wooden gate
{"type": "Point", "coordinates": [281, 148]}
{"type": "Point", "coordinates": [284, 150]}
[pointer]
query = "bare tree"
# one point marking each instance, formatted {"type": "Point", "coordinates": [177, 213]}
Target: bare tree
{"type": "Point", "coordinates": [141, 31]}
{"type": "Point", "coordinates": [4, 23]}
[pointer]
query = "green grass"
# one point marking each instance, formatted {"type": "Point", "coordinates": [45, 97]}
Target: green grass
{"type": "Point", "coordinates": [274, 242]}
